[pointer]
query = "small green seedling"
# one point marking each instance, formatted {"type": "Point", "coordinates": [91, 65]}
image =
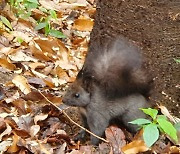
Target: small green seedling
{"type": "Point", "coordinates": [24, 7]}
{"type": "Point", "coordinates": [45, 23]}
{"type": "Point", "coordinates": [6, 22]}
{"type": "Point", "coordinates": [176, 60]}
{"type": "Point", "coordinates": [24, 10]}
{"type": "Point", "coordinates": [159, 123]}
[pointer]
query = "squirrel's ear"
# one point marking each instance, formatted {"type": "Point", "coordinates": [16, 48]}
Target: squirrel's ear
{"type": "Point", "coordinates": [86, 79]}
{"type": "Point", "coordinates": [88, 83]}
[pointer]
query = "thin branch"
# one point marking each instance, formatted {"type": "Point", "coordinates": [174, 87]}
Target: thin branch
{"type": "Point", "coordinates": [71, 119]}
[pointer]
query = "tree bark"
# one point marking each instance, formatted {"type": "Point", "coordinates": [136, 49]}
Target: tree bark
{"type": "Point", "coordinates": [154, 25]}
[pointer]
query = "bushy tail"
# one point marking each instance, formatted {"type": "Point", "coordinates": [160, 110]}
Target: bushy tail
{"type": "Point", "coordinates": [116, 68]}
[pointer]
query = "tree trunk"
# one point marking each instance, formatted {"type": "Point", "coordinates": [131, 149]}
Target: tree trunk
{"type": "Point", "coordinates": [154, 25]}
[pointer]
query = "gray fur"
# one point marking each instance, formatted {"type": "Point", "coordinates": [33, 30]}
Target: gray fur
{"type": "Point", "coordinates": [111, 85]}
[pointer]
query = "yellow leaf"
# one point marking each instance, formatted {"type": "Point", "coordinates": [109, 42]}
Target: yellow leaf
{"type": "Point", "coordinates": [134, 147]}
{"type": "Point", "coordinates": [4, 63]}
{"type": "Point", "coordinates": [40, 117]}
{"type": "Point", "coordinates": [22, 83]}
{"type": "Point", "coordinates": [14, 148]}
{"type": "Point", "coordinates": [83, 24]}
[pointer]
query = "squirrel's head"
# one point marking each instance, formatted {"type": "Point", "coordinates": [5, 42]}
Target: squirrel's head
{"type": "Point", "coordinates": [76, 95]}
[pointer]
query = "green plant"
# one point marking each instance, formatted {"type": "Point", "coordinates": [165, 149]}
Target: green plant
{"type": "Point", "coordinates": [45, 23]}
{"type": "Point", "coordinates": [24, 8]}
{"type": "Point", "coordinates": [176, 60]}
{"type": "Point", "coordinates": [159, 123]}
{"type": "Point", "coordinates": [6, 22]}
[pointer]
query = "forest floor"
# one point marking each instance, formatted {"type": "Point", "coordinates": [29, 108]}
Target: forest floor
{"type": "Point", "coordinates": [42, 47]}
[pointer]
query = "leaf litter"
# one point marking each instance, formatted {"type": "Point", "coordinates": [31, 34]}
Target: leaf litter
{"type": "Point", "coordinates": [30, 60]}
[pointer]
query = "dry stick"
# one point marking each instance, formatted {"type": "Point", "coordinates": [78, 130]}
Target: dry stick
{"type": "Point", "coordinates": [73, 120]}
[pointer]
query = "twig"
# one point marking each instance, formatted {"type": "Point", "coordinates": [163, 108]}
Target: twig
{"type": "Point", "coordinates": [72, 120]}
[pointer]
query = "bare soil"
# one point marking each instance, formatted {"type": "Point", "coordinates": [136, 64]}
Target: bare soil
{"type": "Point", "coordinates": [155, 26]}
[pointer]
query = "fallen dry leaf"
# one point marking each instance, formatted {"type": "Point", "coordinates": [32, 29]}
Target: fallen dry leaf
{"type": "Point", "coordinates": [40, 117]}
{"type": "Point", "coordinates": [4, 145]}
{"type": "Point", "coordinates": [6, 64]}
{"type": "Point", "coordinates": [22, 83]}
{"type": "Point", "coordinates": [83, 24]}
{"type": "Point", "coordinates": [21, 56]}
{"type": "Point", "coordinates": [36, 51]}
{"type": "Point", "coordinates": [7, 131]}
{"type": "Point", "coordinates": [174, 149]}
{"type": "Point", "coordinates": [12, 98]}
{"type": "Point", "coordinates": [34, 130]}
{"type": "Point", "coordinates": [116, 138]}
{"type": "Point", "coordinates": [37, 65]}
{"type": "Point", "coordinates": [135, 147]}
{"type": "Point", "coordinates": [14, 148]}
{"type": "Point", "coordinates": [61, 74]}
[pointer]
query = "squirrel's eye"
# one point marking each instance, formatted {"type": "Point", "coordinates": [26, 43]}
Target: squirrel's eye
{"type": "Point", "coordinates": [77, 95]}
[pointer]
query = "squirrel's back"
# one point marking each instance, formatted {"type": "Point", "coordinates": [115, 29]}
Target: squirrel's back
{"type": "Point", "coordinates": [116, 67]}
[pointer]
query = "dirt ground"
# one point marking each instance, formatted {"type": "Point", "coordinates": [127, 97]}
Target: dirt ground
{"type": "Point", "coordinates": [155, 26]}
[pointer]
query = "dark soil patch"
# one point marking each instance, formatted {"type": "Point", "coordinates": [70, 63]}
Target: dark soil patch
{"type": "Point", "coordinates": [155, 26]}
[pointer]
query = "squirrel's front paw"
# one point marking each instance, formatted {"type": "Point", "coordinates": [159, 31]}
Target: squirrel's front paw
{"type": "Point", "coordinates": [81, 136]}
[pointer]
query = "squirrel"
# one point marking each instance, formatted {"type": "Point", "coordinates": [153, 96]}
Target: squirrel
{"type": "Point", "coordinates": [111, 85]}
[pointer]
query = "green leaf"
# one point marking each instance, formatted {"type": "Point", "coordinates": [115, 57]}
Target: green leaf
{"type": "Point", "coordinates": [33, 1]}
{"type": "Point", "coordinates": [161, 117]}
{"type": "Point", "coordinates": [56, 33]}
{"type": "Point", "coordinates": [177, 126]}
{"type": "Point", "coordinates": [150, 134]}
{"type": "Point", "coordinates": [53, 14]}
{"type": "Point", "coordinates": [40, 25]}
{"type": "Point", "coordinates": [6, 22]}
{"type": "Point", "coordinates": [20, 40]}
{"type": "Point", "coordinates": [168, 128]}
{"type": "Point", "coordinates": [30, 5]}
{"type": "Point", "coordinates": [43, 9]}
{"type": "Point", "coordinates": [176, 60]}
{"type": "Point", "coordinates": [152, 112]}
{"type": "Point", "coordinates": [140, 122]}
{"type": "Point", "coordinates": [47, 28]}
{"type": "Point", "coordinates": [24, 15]}
{"type": "Point", "coordinates": [11, 2]}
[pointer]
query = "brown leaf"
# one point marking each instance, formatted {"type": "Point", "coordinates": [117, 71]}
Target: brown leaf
{"type": "Point", "coordinates": [20, 105]}
{"type": "Point", "coordinates": [10, 99]}
{"type": "Point", "coordinates": [86, 149]}
{"type": "Point", "coordinates": [61, 73]}
{"type": "Point", "coordinates": [58, 138]}
{"type": "Point", "coordinates": [7, 131]}
{"type": "Point", "coordinates": [22, 133]}
{"type": "Point", "coordinates": [38, 53]}
{"type": "Point", "coordinates": [49, 83]}
{"type": "Point", "coordinates": [25, 122]}
{"type": "Point", "coordinates": [34, 130]}
{"type": "Point", "coordinates": [83, 24]}
{"type": "Point", "coordinates": [22, 83]}
{"type": "Point", "coordinates": [36, 81]}
{"type": "Point", "coordinates": [14, 148]}
{"type": "Point", "coordinates": [116, 137]}
{"type": "Point", "coordinates": [4, 63]}
{"type": "Point", "coordinates": [174, 149]}
{"type": "Point", "coordinates": [37, 65]}
{"type": "Point", "coordinates": [34, 96]}
{"type": "Point", "coordinates": [2, 125]}
{"type": "Point", "coordinates": [11, 122]}
{"type": "Point", "coordinates": [20, 56]}
{"type": "Point", "coordinates": [4, 145]}
{"type": "Point", "coordinates": [62, 148]}
{"type": "Point", "coordinates": [135, 147]}
{"type": "Point", "coordinates": [40, 117]}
